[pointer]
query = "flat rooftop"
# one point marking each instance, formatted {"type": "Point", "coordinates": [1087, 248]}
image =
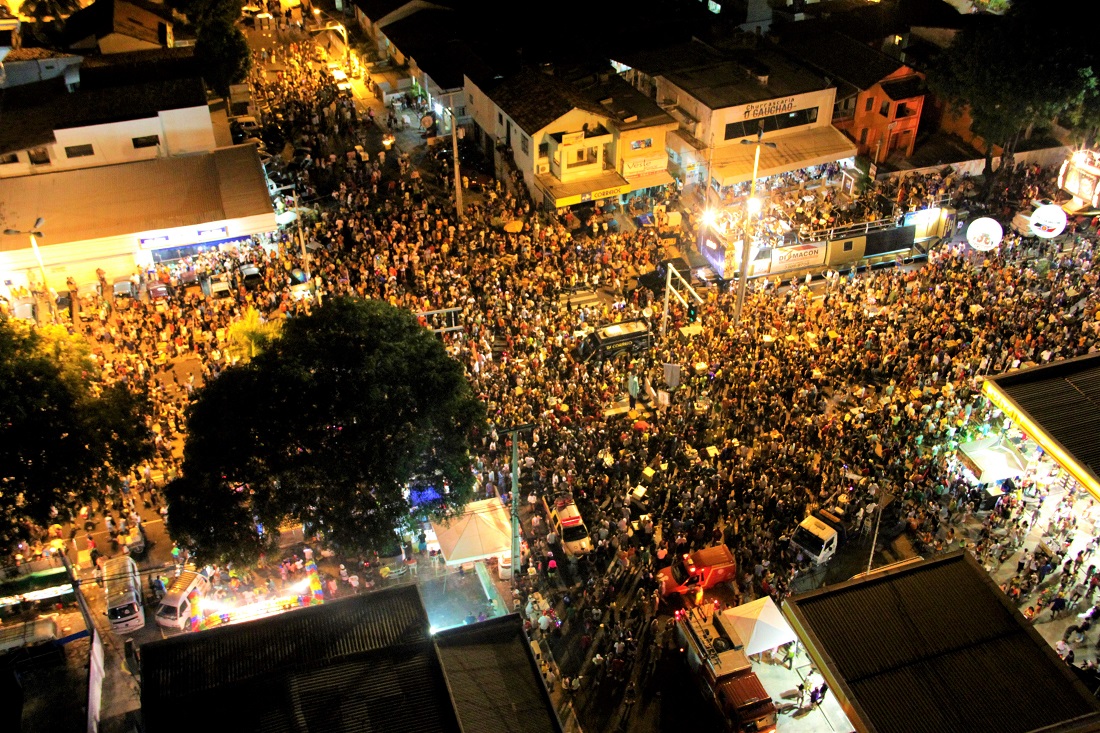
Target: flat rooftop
{"type": "Point", "coordinates": [733, 83]}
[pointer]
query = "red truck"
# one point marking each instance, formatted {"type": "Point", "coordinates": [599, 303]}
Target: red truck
{"type": "Point", "coordinates": [701, 569]}
{"type": "Point", "coordinates": [716, 654]}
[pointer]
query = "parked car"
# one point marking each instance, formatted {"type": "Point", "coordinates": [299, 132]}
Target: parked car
{"type": "Point", "coordinates": [251, 277]}
{"type": "Point", "coordinates": [158, 295]}
{"type": "Point", "coordinates": [123, 291]}
{"type": "Point", "coordinates": [219, 287]}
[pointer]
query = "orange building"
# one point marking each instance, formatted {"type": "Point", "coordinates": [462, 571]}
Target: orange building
{"type": "Point", "coordinates": [878, 99]}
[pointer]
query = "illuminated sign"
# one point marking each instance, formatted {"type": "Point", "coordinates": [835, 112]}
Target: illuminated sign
{"type": "Point", "coordinates": [984, 234]}
{"type": "Point", "coordinates": [1048, 221]}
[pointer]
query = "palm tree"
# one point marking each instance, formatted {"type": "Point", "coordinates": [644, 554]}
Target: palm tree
{"type": "Point", "coordinates": [249, 336]}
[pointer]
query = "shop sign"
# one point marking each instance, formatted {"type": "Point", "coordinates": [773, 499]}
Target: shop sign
{"type": "Point", "coordinates": [154, 242]}
{"type": "Point", "coordinates": [635, 167]}
{"type": "Point", "coordinates": [984, 234]}
{"type": "Point", "coordinates": [215, 233]}
{"type": "Point", "coordinates": [785, 259]}
{"type": "Point", "coordinates": [771, 107]}
{"type": "Point", "coordinates": [1048, 221]}
{"type": "Point", "coordinates": [602, 193]}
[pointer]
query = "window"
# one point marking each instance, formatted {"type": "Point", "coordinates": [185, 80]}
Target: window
{"type": "Point", "coordinates": [848, 246]}
{"type": "Point", "coordinates": [500, 118]}
{"type": "Point", "coordinates": [884, 110]}
{"type": "Point", "coordinates": [460, 112]}
{"type": "Point", "coordinates": [870, 104]}
{"type": "Point", "coordinates": [642, 144]}
{"type": "Point", "coordinates": [863, 136]}
{"type": "Point", "coordinates": [544, 150]}
{"type": "Point", "coordinates": [9, 158]}
{"type": "Point", "coordinates": [772, 123]}
{"type": "Point", "coordinates": [39, 156]}
{"type": "Point", "coordinates": [525, 144]}
{"type": "Point", "coordinates": [714, 7]}
{"type": "Point", "coordinates": [147, 141]}
{"type": "Point", "coordinates": [79, 151]}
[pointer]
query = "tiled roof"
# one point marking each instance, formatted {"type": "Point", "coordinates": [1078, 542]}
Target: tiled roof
{"type": "Point", "coordinates": [115, 200]}
{"type": "Point", "coordinates": [533, 100]}
{"type": "Point", "coordinates": [937, 647]}
{"type": "Point", "coordinates": [1063, 399]}
{"type": "Point", "coordinates": [496, 685]}
{"type": "Point", "coordinates": [365, 664]}
{"type": "Point", "coordinates": [843, 58]}
{"type": "Point", "coordinates": [907, 88]}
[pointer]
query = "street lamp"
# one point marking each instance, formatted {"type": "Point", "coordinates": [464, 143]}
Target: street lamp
{"type": "Point", "coordinates": [33, 234]}
{"type": "Point", "coordinates": [753, 202]}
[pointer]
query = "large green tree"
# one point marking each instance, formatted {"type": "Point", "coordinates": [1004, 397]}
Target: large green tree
{"type": "Point", "coordinates": [223, 55]}
{"type": "Point", "coordinates": [342, 413]}
{"type": "Point", "coordinates": [65, 436]}
{"type": "Point", "coordinates": [1020, 70]}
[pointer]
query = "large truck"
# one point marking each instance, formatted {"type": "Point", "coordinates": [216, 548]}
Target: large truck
{"type": "Point", "coordinates": [819, 535]}
{"type": "Point", "coordinates": [716, 654]}
{"type": "Point", "coordinates": [698, 570]}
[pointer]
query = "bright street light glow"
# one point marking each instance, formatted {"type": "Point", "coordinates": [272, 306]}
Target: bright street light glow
{"type": "Point", "coordinates": [710, 216]}
{"type": "Point", "coordinates": [754, 205]}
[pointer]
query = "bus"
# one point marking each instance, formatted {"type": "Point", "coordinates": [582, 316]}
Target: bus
{"type": "Point", "coordinates": [125, 610]}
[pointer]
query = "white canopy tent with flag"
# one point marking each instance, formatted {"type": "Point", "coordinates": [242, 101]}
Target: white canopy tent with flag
{"type": "Point", "coordinates": [760, 625]}
{"type": "Point", "coordinates": [482, 531]}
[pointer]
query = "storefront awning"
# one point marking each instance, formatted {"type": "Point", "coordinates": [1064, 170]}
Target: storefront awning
{"type": "Point", "coordinates": [657, 178]}
{"type": "Point", "coordinates": [605, 185]}
{"type": "Point", "coordinates": [733, 163]}
{"type": "Point", "coordinates": [992, 459]}
{"type": "Point", "coordinates": [683, 144]}
{"type": "Point", "coordinates": [1058, 406]}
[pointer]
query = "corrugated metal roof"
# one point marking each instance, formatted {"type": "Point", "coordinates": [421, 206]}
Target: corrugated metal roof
{"type": "Point", "coordinates": [116, 200]}
{"type": "Point", "coordinates": [495, 683]}
{"type": "Point", "coordinates": [1063, 399]}
{"type": "Point", "coordinates": [364, 664]}
{"type": "Point", "coordinates": [936, 647]}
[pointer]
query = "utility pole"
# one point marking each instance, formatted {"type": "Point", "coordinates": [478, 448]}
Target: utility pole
{"type": "Point", "coordinates": [874, 539]}
{"type": "Point", "coordinates": [514, 432]}
{"type": "Point", "coordinates": [747, 239]}
{"type": "Point", "coordinates": [34, 233]}
{"type": "Point", "coordinates": [458, 174]}
{"type": "Point", "coordinates": [301, 240]}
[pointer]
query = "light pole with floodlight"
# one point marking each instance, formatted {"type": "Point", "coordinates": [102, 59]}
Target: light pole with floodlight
{"type": "Point", "coordinates": [752, 203]}
{"type": "Point", "coordinates": [33, 234]}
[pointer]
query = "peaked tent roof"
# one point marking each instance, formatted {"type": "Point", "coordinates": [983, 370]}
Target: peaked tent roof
{"type": "Point", "coordinates": [760, 625]}
{"type": "Point", "coordinates": [483, 530]}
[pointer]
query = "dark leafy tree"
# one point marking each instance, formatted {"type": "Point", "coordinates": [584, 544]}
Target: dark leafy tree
{"type": "Point", "coordinates": [329, 426]}
{"type": "Point", "coordinates": [223, 55]}
{"type": "Point", "coordinates": [65, 437]}
{"type": "Point", "coordinates": [1019, 71]}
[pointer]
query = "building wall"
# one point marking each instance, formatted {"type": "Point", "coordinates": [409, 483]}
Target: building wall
{"type": "Point", "coordinates": [711, 125]}
{"type": "Point", "coordinates": [119, 43]}
{"type": "Point", "coordinates": [882, 134]}
{"type": "Point", "coordinates": [181, 131]}
{"type": "Point", "coordinates": [631, 162]}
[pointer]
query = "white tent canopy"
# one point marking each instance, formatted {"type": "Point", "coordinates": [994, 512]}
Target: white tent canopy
{"type": "Point", "coordinates": [992, 459]}
{"type": "Point", "coordinates": [484, 530]}
{"type": "Point", "coordinates": [760, 625]}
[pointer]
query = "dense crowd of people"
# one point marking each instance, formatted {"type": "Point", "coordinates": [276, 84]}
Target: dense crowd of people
{"type": "Point", "coordinates": [837, 401]}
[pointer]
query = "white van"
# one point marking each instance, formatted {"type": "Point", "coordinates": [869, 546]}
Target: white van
{"type": "Point", "coordinates": [175, 608]}
{"type": "Point", "coordinates": [122, 583]}
{"type": "Point", "coordinates": [816, 539]}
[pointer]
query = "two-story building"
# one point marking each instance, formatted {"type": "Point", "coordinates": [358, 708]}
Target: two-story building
{"type": "Point", "coordinates": [589, 140]}
{"type": "Point", "coordinates": [879, 99]}
{"type": "Point", "coordinates": [124, 174]}
{"type": "Point", "coordinates": [719, 105]}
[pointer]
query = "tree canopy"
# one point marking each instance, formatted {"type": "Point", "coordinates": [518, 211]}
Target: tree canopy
{"type": "Point", "coordinates": [65, 436]}
{"type": "Point", "coordinates": [1025, 68]}
{"type": "Point", "coordinates": [223, 54]}
{"type": "Point", "coordinates": [344, 411]}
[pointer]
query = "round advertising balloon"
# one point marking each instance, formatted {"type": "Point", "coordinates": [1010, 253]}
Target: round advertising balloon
{"type": "Point", "coordinates": [984, 234]}
{"type": "Point", "coordinates": [1048, 221]}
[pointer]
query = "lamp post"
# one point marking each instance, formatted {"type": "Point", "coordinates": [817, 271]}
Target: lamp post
{"type": "Point", "coordinates": [33, 234]}
{"type": "Point", "coordinates": [759, 143]}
